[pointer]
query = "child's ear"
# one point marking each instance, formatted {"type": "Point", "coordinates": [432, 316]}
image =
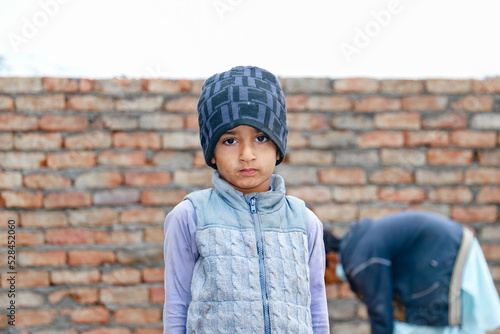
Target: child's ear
{"type": "Point", "coordinates": [278, 155]}
{"type": "Point", "coordinates": [212, 160]}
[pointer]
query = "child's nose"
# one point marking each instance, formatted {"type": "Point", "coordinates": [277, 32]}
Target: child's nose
{"type": "Point", "coordinates": [247, 152]}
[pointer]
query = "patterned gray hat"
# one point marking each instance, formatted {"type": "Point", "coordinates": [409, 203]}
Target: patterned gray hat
{"type": "Point", "coordinates": [244, 95]}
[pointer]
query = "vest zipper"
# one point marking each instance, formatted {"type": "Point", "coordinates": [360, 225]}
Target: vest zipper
{"type": "Point", "coordinates": [262, 269]}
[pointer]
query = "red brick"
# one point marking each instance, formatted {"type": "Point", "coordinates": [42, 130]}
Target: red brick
{"type": "Point", "coordinates": [489, 85]}
{"type": "Point", "coordinates": [118, 85]}
{"type": "Point", "coordinates": [484, 176]}
{"type": "Point", "coordinates": [391, 175]}
{"type": "Point", "coordinates": [376, 212]}
{"type": "Point", "coordinates": [333, 139]}
{"type": "Point", "coordinates": [91, 103]}
{"type": "Point", "coordinates": [355, 194]}
{"type": "Point", "coordinates": [124, 295]}
{"type": "Point", "coordinates": [394, 86]}
{"type": "Point", "coordinates": [473, 214]}
{"type": "Point", "coordinates": [33, 318]}
{"type": "Point", "coordinates": [381, 139]}
{"type": "Point", "coordinates": [377, 103]}
{"type": "Point", "coordinates": [89, 315]}
{"type": "Point", "coordinates": [153, 275]}
{"type": "Point", "coordinates": [160, 331]}
{"type": "Point", "coordinates": [118, 237]}
{"type": "Point", "coordinates": [67, 200]}
{"type": "Point", "coordinates": [65, 276]}
{"type": "Point", "coordinates": [71, 159]}
{"type": "Point", "coordinates": [356, 85]}
{"type": "Point", "coordinates": [42, 258]}
{"type": "Point", "coordinates": [15, 122]}
{"type": "Point", "coordinates": [107, 179]}
{"type": "Point", "coordinates": [88, 141]}
{"type": "Point", "coordinates": [41, 103]}
{"type": "Point", "coordinates": [164, 86]}
{"type": "Point", "coordinates": [82, 296]}
{"type": "Point", "coordinates": [116, 197]}
{"type": "Point", "coordinates": [90, 257]}
{"type": "Point", "coordinates": [136, 315]}
{"type": "Point", "coordinates": [114, 123]}
{"type": "Point", "coordinates": [6, 141]}
{"type": "Point", "coordinates": [27, 279]}
{"type": "Point", "coordinates": [44, 219]}
{"type": "Point", "coordinates": [474, 103]}
{"type": "Point", "coordinates": [451, 195]}
{"type": "Point", "coordinates": [46, 181]}
{"type": "Point", "coordinates": [182, 104]}
{"type": "Point", "coordinates": [157, 295]}
{"type": "Point", "coordinates": [181, 141]}
{"type": "Point", "coordinates": [21, 199]}
{"type": "Point", "coordinates": [153, 235]}
{"type": "Point", "coordinates": [491, 252]}
{"type": "Point", "coordinates": [328, 103]}
{"type": "Point", "coordinates": [342, 176]}
{"type": "Point", "coordinates": [476, 139]}
{"type": "Point", "coordinates": [130, 159]}
{"type": "Point", "coordinates": [165, 122]}
{"type": "Point", "coordinates": [63, 123]}
{"type": "Point", "coordinates": [69, 237]}
{"type": "Point", "coordinates": [162, 197]}
{"type": "Point", "coordinates": [404, 158]}
{"type": "Point", "coordinates": [296, 102]}
{"type": "Point", "coordinates": [198, 159]}
{"type": "Point", "coordinates": [24, 239]}
{"type": "Point", "coordinates": [427, 102]}
{"type": "Point", "coordinates": [303, 121]}
{"type": "Point", "coordinates": [445, 121]}
{"type": "Point", "coordinates": [20, 85]}
{"type": "Point", "coordinates": [490, 158]}
{"type": "Point", "coordinates": [5, 216]}
{"type": "Point", "coordinates": [108, 330]}
{"type": "Point", "coordinates": [336, 212]}
{"type": "Point", "coordinates": [439, 177]}
{"type": "Point", "coordinates": [405, 120]}
{"type": "Point", "coordinates": [9, 180]}
{"type": "Point", "coordinates": [446, 86]}
{"type": "Point", "coordinates": [404, 195]}
{"type": "Point", "coordinates": [488, 195]}
{"type": "Point", "coordinates": [142, 216]}
{"type": "Point", "coordinates": [149, 140]}
{"type": "Point", "coordinates": [190, 122]}
{"type": "Point", "coordinates": [38, 141]}
{"type": "Point", "coordinates": [6, 103]}
{"type": "Point", "coordinates": [146, 179]}
{"type": "Point", "coordinates": [50, 84]}
{"type": "Point", "coordinates": [427, 138]}
{"type": "Point", "coordinates": [201, 178]}
{"type": "Point", "coordinates": [145, 103]}
{"type": "Point", "coordinates": [93, 217]}
{"type": "Point", "coordinates": [311, 194]}
{"type": "Point", "coordinates": [121, 276]}
{"type": "Point", "coordinates": [449, 157]}
{"type": "Point", "coordinates": [310, 157]}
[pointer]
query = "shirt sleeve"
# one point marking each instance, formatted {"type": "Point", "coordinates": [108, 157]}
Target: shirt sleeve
{"type": "Point", "coordinates": [319, 309]}
{"type": "Point", "coordinates": [180, 255]}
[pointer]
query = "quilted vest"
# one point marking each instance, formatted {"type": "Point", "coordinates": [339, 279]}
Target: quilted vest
{"type": "Point", "coordinates": [252, 275]}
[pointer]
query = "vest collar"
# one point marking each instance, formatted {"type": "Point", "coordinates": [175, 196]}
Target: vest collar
{"type": "Point", "coordinates": [268, 201]}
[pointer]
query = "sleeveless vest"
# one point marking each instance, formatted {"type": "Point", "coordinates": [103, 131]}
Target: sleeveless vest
{"type": "Point", "coordinates": [252, 275]}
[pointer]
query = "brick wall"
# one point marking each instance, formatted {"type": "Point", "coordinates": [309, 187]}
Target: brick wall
{"type": "Point", "coordinates": [89, 169]}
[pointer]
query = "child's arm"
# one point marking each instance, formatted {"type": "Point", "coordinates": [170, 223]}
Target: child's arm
{"type": "Point", "coordinates": [180, 254]}
{"type": "Point", "coordinates": [319, 309]}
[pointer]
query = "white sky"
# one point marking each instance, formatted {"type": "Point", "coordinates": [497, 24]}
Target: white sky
{"type": "Point", "coordinates": [196, 38]}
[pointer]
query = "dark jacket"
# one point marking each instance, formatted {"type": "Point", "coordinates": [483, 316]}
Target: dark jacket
{"type": "Point", "coordinates": [407, 258]}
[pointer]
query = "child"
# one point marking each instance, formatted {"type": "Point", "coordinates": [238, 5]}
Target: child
{"type": "Point", "coordinates": [242, 257]}
{"type": "Point", "coordinates": [417, 273]}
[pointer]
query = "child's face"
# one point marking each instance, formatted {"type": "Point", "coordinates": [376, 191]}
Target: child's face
{"type": "Point", "coordinates": [245, 158]}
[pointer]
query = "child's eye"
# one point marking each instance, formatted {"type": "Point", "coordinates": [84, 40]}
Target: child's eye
{"type": "Point", "coordinates": [261, 139]}
{"type": "Point", "coordinates": [229, 141]}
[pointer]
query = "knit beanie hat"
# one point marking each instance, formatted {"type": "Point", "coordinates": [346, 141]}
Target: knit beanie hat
{"type": "Point", "coordinates": [244, 95]}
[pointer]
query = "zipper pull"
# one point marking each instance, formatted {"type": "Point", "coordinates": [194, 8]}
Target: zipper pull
{"type": "Point", "coordinates": [253, 209]}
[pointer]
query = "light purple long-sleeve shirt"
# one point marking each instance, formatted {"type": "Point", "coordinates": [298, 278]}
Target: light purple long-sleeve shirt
{"type": "Point", "coordinates": [181, 253]}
